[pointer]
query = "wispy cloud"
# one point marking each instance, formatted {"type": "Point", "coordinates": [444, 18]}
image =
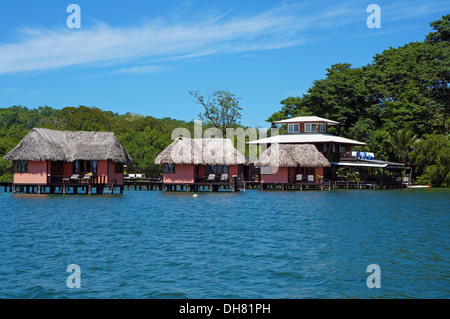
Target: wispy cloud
{"type": "Point", "coordinates": [43, 49]}
{"type": "Point", "coordinates": [162, 40]}
{"type": "Point", "coordinates": [144, 69]}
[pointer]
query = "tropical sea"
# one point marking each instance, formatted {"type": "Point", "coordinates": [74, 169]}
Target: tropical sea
{"type": "Point", "coordinates": [252, 244]}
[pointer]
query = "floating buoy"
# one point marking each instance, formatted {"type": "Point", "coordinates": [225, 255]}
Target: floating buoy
{"type": "Point", "coordinates": [195, 196]}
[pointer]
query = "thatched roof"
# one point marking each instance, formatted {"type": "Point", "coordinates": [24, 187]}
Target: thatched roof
{"type": "Point", "coordinates": [43, 144]}
{"type": "Point", "coordinates": [292, 155]}
{"type": "Point", "coordinates": [206, 151]}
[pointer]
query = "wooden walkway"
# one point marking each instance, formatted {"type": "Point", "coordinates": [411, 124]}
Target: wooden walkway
{"type": "Point", "coordinates": [61, 188]}
{"type": "Point", "coordinates": [80, 188]}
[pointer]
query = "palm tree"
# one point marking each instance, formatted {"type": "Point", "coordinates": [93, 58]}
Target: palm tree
{"type": "Point", "coordinates": [402, 144]}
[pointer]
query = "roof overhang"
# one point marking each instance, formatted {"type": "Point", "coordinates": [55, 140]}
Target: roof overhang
{"type": "Point", "coordinates": [370, 163]}
{"type": "Point", "coordinates": [305, 138]}
{"type": "Point", "coordinates": [307, 119]}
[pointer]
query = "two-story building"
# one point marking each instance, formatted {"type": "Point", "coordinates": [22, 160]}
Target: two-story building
{"type": "Point", "coordinates": [339, 151]}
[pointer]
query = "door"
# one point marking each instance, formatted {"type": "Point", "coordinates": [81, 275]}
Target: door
{"type": "Point", "coordinates": [57, 171]}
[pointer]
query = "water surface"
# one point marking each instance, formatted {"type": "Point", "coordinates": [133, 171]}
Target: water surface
{"type": "Point", "coordinates": [252, 244]}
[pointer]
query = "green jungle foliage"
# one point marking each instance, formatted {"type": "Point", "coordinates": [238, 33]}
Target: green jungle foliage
{"type": "Point", "coordinates": [399, 104]}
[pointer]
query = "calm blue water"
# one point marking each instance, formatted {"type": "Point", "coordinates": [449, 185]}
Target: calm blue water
{"type": "Point", "coordinates": [272, 244]}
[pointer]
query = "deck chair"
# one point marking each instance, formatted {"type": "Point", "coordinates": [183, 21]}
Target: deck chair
{"type": "Point", "coordinates": [398, 179]}
{"type": "Point", "coordinates": [405, 180]}
{"type": "Point", "coordinates": [131, 175]}
{"type": "Point", "coordinates": [138, 176]}
{"type": "Point", "coordinates": [74, 177]}
{"type": "Point", "coordinates": [211, 178]}
{"type": "Point", "coordinates": [311, 178]}
{"type": "Point", "coordinates": [298, 177]}
{"type": "Point", "coordinates": [86, 177]}
{"type": "Point", "coordinates": [224, 178]}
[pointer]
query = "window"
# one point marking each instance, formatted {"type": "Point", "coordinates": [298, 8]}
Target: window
{"type": "Point", "coordinates": [293, 128]}
{"type": "Point", "coordinates": [216, 169]}
{"type": "Point", "coordinates": [20, 166]}
{"type": "Point", "coordinates": [80, 166]}
{"type": "Point", "coordinates": [118, 168]}
{"type": "Point", "coordinates": [311, 127]}
{"type": "Point", "coordinates": [169, 168]}
{"type": "Point", "coordinates": [322, 128]}
{"type": "Point", "coordinates": [94, 166]}
{"type": "Point", "coordinates": [267, 170]}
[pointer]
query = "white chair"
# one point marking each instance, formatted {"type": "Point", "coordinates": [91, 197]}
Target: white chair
{"type": "Point", "coordinates": [310, 178]}
{"type": "Point", "coordinates": [224, 178]}
{"type": "Point", "coordinates": [211, 178]}
{"type": "Point", "coordinates": [298, 177]}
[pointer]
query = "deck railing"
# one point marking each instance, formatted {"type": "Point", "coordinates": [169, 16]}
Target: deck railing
{"type": "Point", "coordinates": [81, 179]}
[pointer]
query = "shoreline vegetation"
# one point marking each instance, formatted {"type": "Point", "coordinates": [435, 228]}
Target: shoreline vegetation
{"type": "Point", "coordinates": [398, 105]}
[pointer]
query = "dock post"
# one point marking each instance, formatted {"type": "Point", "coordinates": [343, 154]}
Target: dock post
{"type": "Point", "coordinates": [121, 189]}
{"type": "Point", "coordinates": [235, 187]}
{"type": "Point", "coordinates": [64, 189]}
{"type": "Point", "coordinates": [89, 190]}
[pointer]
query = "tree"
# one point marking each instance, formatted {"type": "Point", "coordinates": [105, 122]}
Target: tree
{"type": "Point", "coordinates": [221, 108]}
{"type": "Point", "coordinates": [431, 160]}
{"type": "Point", "coordinates": [441, 29]}
{"type": "Point", "coordinates": [402, 144]}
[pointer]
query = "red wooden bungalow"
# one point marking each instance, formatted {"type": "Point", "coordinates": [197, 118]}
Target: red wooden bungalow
{"type": "Point", "coordinates": [189, 161]}
{"type": "Point", "coordinates": [291, 163]}
{"type": "Point", "coordinates": [49, 157]}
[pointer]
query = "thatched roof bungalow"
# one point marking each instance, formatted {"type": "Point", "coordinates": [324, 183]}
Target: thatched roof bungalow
{"type": "Point", "coordinates": [289, 163]}
{"type": "Point", "coordinates": [188, 160]}
{"type": "Point", "coordinates": [47, 156]}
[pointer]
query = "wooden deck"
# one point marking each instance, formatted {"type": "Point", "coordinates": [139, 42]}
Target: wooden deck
{"type": "Point", "coordinates": [152, 184]}
{"type": "Point", "coordinates": [61, 188]}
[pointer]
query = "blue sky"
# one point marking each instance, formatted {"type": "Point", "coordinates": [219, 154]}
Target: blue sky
{"type": "Point", "coordinates": [145, 56]}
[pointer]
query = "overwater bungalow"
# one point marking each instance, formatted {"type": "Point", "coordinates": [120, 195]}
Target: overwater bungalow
{"type": "Point", "coordinates": [188, 161]}
{"type": "Point", "coordinates": [291, 163]}
{"type": "Point", "coordinates": [50, 157]}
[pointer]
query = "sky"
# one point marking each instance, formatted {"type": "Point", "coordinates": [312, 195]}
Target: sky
{"type": "Point", "coordinates": [144, 57]}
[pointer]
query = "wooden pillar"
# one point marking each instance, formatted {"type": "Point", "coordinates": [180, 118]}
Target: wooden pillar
{"type": "Point", "coordinates": [121, 189]}
{"type": "Point", "coordinates": [64, 189]}
{"type": "Point", "coordinates": [89, 190]}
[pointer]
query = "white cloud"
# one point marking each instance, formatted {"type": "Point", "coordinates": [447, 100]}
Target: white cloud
{"type": "Point", "coordinates": [42, 49]}
{"type": "Point", "coordinates": [159, 40]}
